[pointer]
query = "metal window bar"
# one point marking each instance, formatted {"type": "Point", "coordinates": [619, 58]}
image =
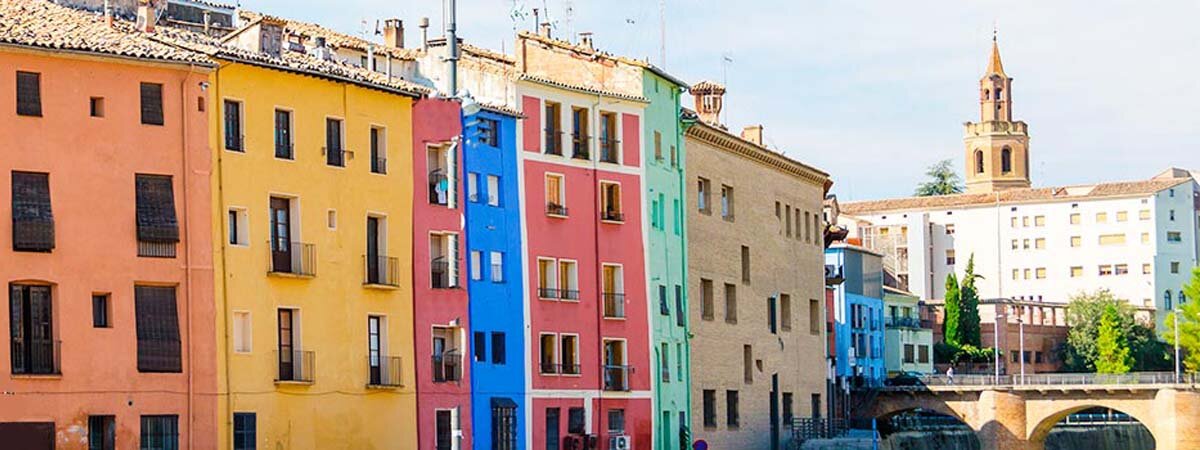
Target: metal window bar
{"type": "Point", "coordinates": [446, 367]}
{"type": "Point", "coordinates": [384, 371]}
{"type": "Point", "coordinates": [614, 305]}
{"type": "Point", "coordinates": [616, 378]}
{"type": "Point", "coordinates": [439, 273]}
{"type": "Point", "coordinates": [148, 249]}
{"type": "Point", "coordinates": [335, 157]}
{"type": "Point", "coordinates": [296, 365]}
{"type": "Point", "coordinates": [439, 191]}
{"type": "Point", "coordinates": [379, 165]}
{"type": "Point", "coordinates": [579, 146]}
{"type": "Point", "coordinates": [608, 150]}
{"type": "Point", "coordinates": [295, 258]}
{"type": "Point", "coordinates": [36, 356]}
{"type": "Point", "coordinates": [568, 294]}
{"type": "Point", "coordinates": [556, 209]}
{"type": "Point", "coordinates": [382, 270]}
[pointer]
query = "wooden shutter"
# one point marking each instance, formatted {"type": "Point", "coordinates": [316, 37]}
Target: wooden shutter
{"type": "Point", "coordinates": [16, 328]}
{"type": "Point", "coordinates": [29, 94]}
{"type": "Point", "coordinates": [33, 220]}
{"type": "Point", "coordinates": [452, 242]}
{"type": "Point", "coordinates": [158, 344]}
{"type": "Point", "coordinates": [452, 176]}
{"type": "Point", "coordinates": [152, 104]}
{"type": "Point", "coordinates": [156, 219]}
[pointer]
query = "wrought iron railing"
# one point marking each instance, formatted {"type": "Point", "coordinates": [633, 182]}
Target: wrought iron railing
{"type": "Point", "coordinates": [296, 365]}
{"type": "Point", "coordinates": [335, 156]}
{"type": "Point", "coordinates": [379, 164]}
{"type": "Point", "coordinates": [616, 378]}
{"type": "Point", "coordinates": [439, 189]}
{"type": "Point", "coordinates": [579, 146]}
{"type": "Point", "coordinates": [614, 305]}
{"type": "Point", "coordinates": [149, 249]}
{"type": "Point", "coordinates": [568, 294]}
{"type": "Point", "coordinates": [447, 367]}
{"type": "Point", "coordinates": [382, 270]}
{"type": "Point", "coordinates": [612, 216]}
{"type": "Point", "coordinates": [608, 150]}
{"type": "Point", "coordinates": [1054, 379]}
{"type": "Point", "coordinates": [553, 141]}
{"type": "Point", "coordinates": [556, 209]}
{"type": "Point", "coordinates": [384, 371]}
{"type": "Point", "coordinates": [295, 258]}
{"type": "Point", "coordinates": [36, 356]}
{"type": "Point", "coordinates": [439, 273]}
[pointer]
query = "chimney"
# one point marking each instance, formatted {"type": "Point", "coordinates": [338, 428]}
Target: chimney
{"type": "Point", "coordinates": [424, 24]}
{"type": "Point", "coordinates": [709, 97]}
{"type": "Point", "coordinates": [320, 50]}
{"type": "Point", "coordinates": [753, 133]}
{"type": "Point", "coordinates": [544, 29]}
{"type": "Point", "coordinates": [393, 33]}
{"type": "Point", "coordinates": [270, 37]}
{"type": "Point", "coordinates": [585, 38]}
{"type": "Point", "coordinates": [147, 14]}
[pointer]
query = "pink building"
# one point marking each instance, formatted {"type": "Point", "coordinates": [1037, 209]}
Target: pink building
{"type": "Point", "coordinates": [105, 237]}
{"type": "Point", "coordinates": [439, 292]}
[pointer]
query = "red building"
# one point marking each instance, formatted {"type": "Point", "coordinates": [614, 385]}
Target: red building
{"type": "Point", "coordinates": [439, 292]}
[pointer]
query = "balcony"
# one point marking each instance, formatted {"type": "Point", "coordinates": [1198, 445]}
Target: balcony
{"type": "Point", "coordinates": [608, 150]}
{"type": "Point", "coordinates": [147, 249]}
{"type": "Point", "coordinates": [382, 270]}
{"type": "Point", "coordinates": [906, 322]}
{"type": "Point", "coordinates": [439, 273]}
{"type": "Point", "coordinates": [568, 294]}
{"type": "Point", "coordinates": [579, 146]}
{"type": "Point", "coordinates": [612, 216]}
{"type": "Point", "coordinates": [384, 371]}
{"type": "Point", "coordinates": [295, 366]}
{"type": "Point", "coordinates": [549, 293]}
{"type": "Point", "coordinates": [439, 188]}
{"type": "Point", "coordinates": [614, 305]}
{"type": "Point", "coordinates": [379, 165]}
{"type": "Point", "coordinates": [293, 258]}
{"type": "Point", "coordinates": [553, 141]}
{"type": "Point", "coordinates": [36, 356]}
{"type": "Point", "coordinates": [555, 209]}
{"type": "Point", "coordinates": [559, 369]}
{"type": "Point", "coordinates": [616, 378]}
{"type": "Point", "coordinates": [447, 367]}
{"type": "Point", "coordinates": [335, 157]}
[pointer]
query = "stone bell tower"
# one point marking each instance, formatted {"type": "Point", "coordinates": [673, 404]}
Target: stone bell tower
{"type": "Point", "coordinates": [997, 148]}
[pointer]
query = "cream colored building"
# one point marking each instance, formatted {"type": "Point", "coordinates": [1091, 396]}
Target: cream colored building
{"type": "Point", "coordinates": [756, 277]}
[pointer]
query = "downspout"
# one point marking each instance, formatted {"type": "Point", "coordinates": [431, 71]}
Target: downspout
{"type": "Point", "coordinates": [593, 111]}
{"type": "Point", "coordinates": [187, 250]}
{"type": "Point", "coordinates": [680, 173]}
{"type": "Point", "coordinates": [224, 267]}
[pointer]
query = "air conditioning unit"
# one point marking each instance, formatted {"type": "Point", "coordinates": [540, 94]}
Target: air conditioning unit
{"type": "Point", "coordinates": [573, 442]}
{"type": "Point", "coordinates": [621, 442]}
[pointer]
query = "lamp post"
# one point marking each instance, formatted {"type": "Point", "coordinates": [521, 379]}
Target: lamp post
{"type": "Point", "coordinates": [1021, 337]}
{"type": "Point", "coordinates": [996, 341]}
{"type": "Point", "coordinates": [1175, 318]}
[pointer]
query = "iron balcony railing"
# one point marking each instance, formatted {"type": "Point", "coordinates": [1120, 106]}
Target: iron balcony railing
{"type": "Point", "coordinates": [568, 294]}
{"type": "Point", "coordinates": [384, 371]}
{"type": "Point", "coordinates": [545, 292]}
{"type": "Point", "coordinates": [335, 156]}
{"type": "Point", "coordinates": [553, 141]}
{"type": "Point", "coordinates": [148, 249]}
{"type": "Point", "coordinates": [556, 209]}
{"type": "Point", "coordinates": [612, 216]}
{"type": "Point", "coordinates": [439, 189]}
{"type": "Point", "coordinates": [447, 367]}
{"type": "Point", "coordinates": [905, 322]}
{"type": "Point", "coordinates": [36, 356]}
{"type": "Point", "coordinates": [608, 150]}
{"type": "Point", "coordinates": [570, 369]}
{"type": "Point", "coordinates": [296, 258]}
{"type": "Point", "coordinates": [382, 270]}
{"type": "Point", "coordinates": [616, 378]}
{"type": "Point", "coordinates": [547, 368]}
{"type": "Point", "coordinates": [614, 305]}
{"type": "Point", "coordinates": [379, 164]}
{"type": "Point", "coordinates": [296, 365]}
{"type": "Point", "coordinates": [439, 273]}
{"type": "Point", "coordinates": [579, 146]}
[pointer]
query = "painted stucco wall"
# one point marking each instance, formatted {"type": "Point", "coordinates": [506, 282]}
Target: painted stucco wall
{"type": "Point", "coordinates": [92, 162]}
{"type": "Point", "coordinates": [336, 410]}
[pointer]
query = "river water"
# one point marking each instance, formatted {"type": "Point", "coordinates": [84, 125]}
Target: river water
{"type": "Point", "coordinates": [1106, 437]}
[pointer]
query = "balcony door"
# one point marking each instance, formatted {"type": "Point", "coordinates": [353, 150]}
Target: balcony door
{"type": "Point", "coordinates": [287, 345]}
{"type": "Point", "coordinates": [445, 429]}
{"type": "Point", "coordinates": [32, 332]}
{"type": "Point", "coordinates": [281, 235]}
{"type": "Point", "coordinates": [373, 250]}
{"type": "Point", "coordinates": [614, 360]}
{"type": "Point", "coordinates": [373, 349]}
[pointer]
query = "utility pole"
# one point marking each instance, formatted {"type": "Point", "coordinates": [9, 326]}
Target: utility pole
{"type": "Point", "coordinates": [662, 30]}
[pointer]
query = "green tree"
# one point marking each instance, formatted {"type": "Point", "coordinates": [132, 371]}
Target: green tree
{"type": "Point", "coordinates": [943, 180]}
{"type": "Point", "coordinates": [1084, 312]}
{"type": "Point", "coordinates": [950, 323]}
{"type": "Point", "coordinates": [968, 315]}
{"type": "Point", "coordinates": [1112, 349]}
{"type": "Point", "coordinates": [1189, 324]}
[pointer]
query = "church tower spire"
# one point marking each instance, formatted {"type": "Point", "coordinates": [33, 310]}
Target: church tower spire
{"type": "Point", "coordinates": [997, 147]}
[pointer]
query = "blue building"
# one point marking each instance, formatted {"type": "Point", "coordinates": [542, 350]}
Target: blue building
{"type": "Point", "coordinates": [858, 316]}
{"type": "Point", "coordinates": [494, 282]}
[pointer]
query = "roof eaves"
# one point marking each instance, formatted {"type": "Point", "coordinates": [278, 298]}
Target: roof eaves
{"type": "Point", "coordinates": [583, 89]}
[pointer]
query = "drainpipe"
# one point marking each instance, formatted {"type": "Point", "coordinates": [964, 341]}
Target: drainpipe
{"type": "Point", "coordinates": [224, 303]}
{"type": "Point", "coordinates": [187, 250]}
{"type": "Point", "coordinates": [687, 301]}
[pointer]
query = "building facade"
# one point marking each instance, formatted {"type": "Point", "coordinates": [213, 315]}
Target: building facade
{"type": "Point", "coordinates": [858, 316]}
{"type": "Point", "coordinates": [908, 340]}
{"type": "Point", "coordinates": [755, 246]}
{"type": "Point", "coordinates": [105, 237]}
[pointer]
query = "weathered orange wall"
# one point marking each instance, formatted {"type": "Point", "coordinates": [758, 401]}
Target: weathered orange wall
{"type": "Point", "coordinates": [92, 162]}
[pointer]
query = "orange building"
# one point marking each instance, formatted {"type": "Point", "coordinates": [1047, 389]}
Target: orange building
{"type": "Point", "coordinates": [105, 237]}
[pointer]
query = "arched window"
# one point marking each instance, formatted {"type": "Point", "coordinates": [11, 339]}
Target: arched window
{"type": "Point", "coordinates": [1167, 300]}
{"type": "Point", "coordinates": [1006, 160]}
{"type": "Point", "coordinates": [1182, 298]}
{"type": "Point", "coordinates": [987, 93]}
{"type": "Point", "coordinates": [978, 161]}
{"type": "Point", "coordinates": [998, 92]}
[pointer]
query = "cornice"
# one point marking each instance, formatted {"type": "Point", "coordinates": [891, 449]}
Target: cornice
{"type": "Point", "coordinates": [723, 140]}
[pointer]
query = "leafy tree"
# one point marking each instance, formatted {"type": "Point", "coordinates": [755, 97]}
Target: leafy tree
{"type": "Point", "coordinates": [943, 180]}
{"type": "Point", "coordinates": [950, 323]}
{"type": "Point", "coordinates": [968, 315]}
{"type": "Point", "coordinates": [1189, 324]}
{"type": "Point", "coordinates": [1084, 313]}
{"type": "Point", "coordinates": [1112, 348]}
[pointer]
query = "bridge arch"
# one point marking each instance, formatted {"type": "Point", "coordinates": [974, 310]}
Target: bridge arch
{"type": "Point", "coordinates": [1044, 422]}
{"type": "Point", "coordinates": [885, 413]}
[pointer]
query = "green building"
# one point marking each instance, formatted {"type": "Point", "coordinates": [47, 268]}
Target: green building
{"type": "Point", "coordinates": [667, 257]}
{"type": "Point", "coordinates": [907, 340]}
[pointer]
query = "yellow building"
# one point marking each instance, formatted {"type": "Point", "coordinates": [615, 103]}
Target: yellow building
{"type": "Point", "coordinates": [312, 204]}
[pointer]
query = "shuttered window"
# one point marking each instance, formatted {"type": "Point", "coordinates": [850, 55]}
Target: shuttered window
{"type": "Point", "coordinates": [158, 345]}
{"type": "Point", "coordinates": [152, 104]}
{"type": "Point", "coordinates": [29, 94]}
{"type": "Point", "coordinates": [31, 328]}
{"type": "Point", "coordinates": [156, 219]}
{"type": "Point", "coordinates": [33, 220]}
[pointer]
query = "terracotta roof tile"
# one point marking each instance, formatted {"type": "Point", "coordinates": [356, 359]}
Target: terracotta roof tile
{"type": "Point", "coordinates": [583, 89]}
{"type": "Point", "coordinates": [334, 39]}
{"type": "Point", "coordinates": [1064, 193]}
{"type": "Point", "coordinates": [42, 24]}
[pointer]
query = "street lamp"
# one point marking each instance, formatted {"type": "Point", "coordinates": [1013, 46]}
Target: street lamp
{"type": "Point", "coordinates": [1175, 318]}
{"type": "Point", "coordinates": [1003, 313]}
{"type": "Point", "coordinates": [1021, 337]}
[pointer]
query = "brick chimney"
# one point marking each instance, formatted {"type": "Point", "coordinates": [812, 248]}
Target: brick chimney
{"type": "Point", "coordinates": [544, 29]}
{"type": "Point", "coordinates": [709, 97]}
{"type": "Point", "coordinates": [147, 14]}
{"type": "Point", "coordinates": [393, 33]}
{"type": "Point", "coordinates": [753, 133]}
{"type": "Point", "coordinates": [585, 38]}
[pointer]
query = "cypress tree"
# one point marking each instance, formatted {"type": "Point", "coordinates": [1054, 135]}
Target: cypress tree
{"type": "Point", "coordinates": [968, 318]}
{"type": "Point", "coordinates": [950, 323]}
{"type": "Point", "coordinates": [1112, 348]}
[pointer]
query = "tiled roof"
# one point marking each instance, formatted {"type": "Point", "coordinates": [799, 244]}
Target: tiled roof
{"type": "Point", "coordinates": [721, 138]}
{"type": "Point", "coordinates": [583, 89]}
{"type": "Point", "coordinates": [705, 85]}
{"type": "Point", "coordinates": [333, 38]}
{"type": "Point", "coordinates": [1028, 195]}
{"type": "Point", "coordinates": [42, 24]}
{"type": "Point", "coordinates": [579, 48]}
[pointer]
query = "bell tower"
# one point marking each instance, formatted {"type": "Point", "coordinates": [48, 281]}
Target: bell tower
{"type": "Point", "coordinates": [997, 148]}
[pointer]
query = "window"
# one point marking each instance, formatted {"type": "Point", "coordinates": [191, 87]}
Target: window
{"type": "Point", "coordinates": [1039, 221]}
{"type": "Point", "coordinates": [1144, 214]}
{"type": "Point", "coordinates": [549, 354]}
{"type": "Point", "coordinates": [1121, 269]}
{"type": "Point", "coordinates": [1174, 236]}
{"type": "Point", "coordinates": [710, 408]}
{"type": "Point", "coordinates": [504, 424]}
{"type": "Point", "coordinates": [1025, 244]}
{"type": "Point", "coordinates": [677, 217]}
{"type": "Point", "coordinates": [706, 299]}
{"type": "Point", "coordinates": [1076, 271]}
{"type": "Point", "coordinates": [610, 202]}
{"type": "Point", "coordinates": [239, 227]}
{"type": "Point", "coordinates": [787, 213]}
{"type": "Point", "coordinates": [909, 354]}
{"type": "Point", "coordinates": [479, 346]}
{"type": "Point", "coordinates": [1039, 243]}
{"type": "Point", "coordinates": [158, 343]}
{"type": "Point", "coordinates": [499, 348]}
{"type": "Point", "coordinates": [1112, 239]}
{"type": "Point", "coordinates": [788, 409]}
{"type": "Point", "coordinates": [1171, 215]}
{"type": "Point", "coordinates": [152, 109]}
{"type": "Point", "coordinates": [1040, 273]}
{"type": "Point", "coordinates": [745, 264]}
{"type": "Point", "coordinates": [923, 354]}
{"type": "Point", "coordinates": [556, 200]}
{"type": "Point", "coordinates": [335, 154]}
{"type": "Point", "coordinates": [814, 317]}
{"type": "Point", "coordinates": [444, 257]}
{"type": "Point", "coordinates": [32, 216]}
{"type": "Point", "coordinates": [476, 265]}
{"type": "Point", "coordinates": [489, 132]}
{"type": "Point", "coordinates": [493, 190]}
{"type": "Point", "coordinates": [1076, 241]}
{"type": "Point", "coordinates": [31, 319]}
{"type": "Point", "coordinates": [1075, 219]}
{"type": "Point", "coordinates": [771, 316]}
{"type": "Point", "coordinates": [283, 134]}
{"type": "Point", "coordinates": [663, 308]}
{"type": "Point", "coordinates": [730, 303]}
{"type": "Point", "coordinates": [748, 363]}
{"type": "Point", "coordinates": [1013, 222]}
{"type": "Point", "coordinates": [101, 311]}
{"type": "Point", "coordinates": [378, 150]}
{"type": "Point", "coordinates": [29, 94]}
{"type": "Point", "coordinates": [102, 432]}
{"type": "Point", "coordinates": [96, 106]}
{"type": "Point", "coordinates": [570, 354]}
{"type": "Point", "coordinates": [1167, 300]}
{"type": "Point", "coordinates": [157, 226]}
{"type": "Point", "coordinates": [613, 290]}
{"type": "Point", "coordinates": [497, 269]}
{"type": "Point", "coordinates": [1106, 269]}
{"type": "Point", "coordinates": [1101, 217]}
{"type": "Point", "coordinates": [616, 422]}
{"type": "Point", "coordinates": [978, 161]}
{"type": "Point", "coordinates": [680, 314]}
{"type": "Point", "coordinates": [1006, 160]}
{"type": "Point", "coordinates": [245, 431]}
{"type": "Point", "coordinates": [731, 409]}
{"type": "Point", "coordinates": [950, 257]}
{"type": "Point", "coordinates": [581, 138]}
{"type": "Point", "coordinates": [552, 423]}
{"type": "Point", "coordinates": [1122, 216]}
{"type": "Point", "coordinates": [608, 138]}
{"type": "Point", "coordinates": [472, 187]}
{"type": "Point", "coordinates": [241, 332]}
{"type": "Point", "coordinates": [727, 202]}
{"type": "Point", "coordinates": [1146, 270]}
{"type": "Point", "coordinates": [1025, 221]}
{"type": "Point", "coordinates": [553, 131]}
{"type": "Point", "coordinates": [658, 154]}
{"type": "Point", "coordinates": [664, 365]}
{"type": "Point", "coordinates": [785, 312]}
{"type": "Point", "coordinates": [331, 219]}
{"type": "Point", "coordinates": [949, 229]}
{"type": "Point", "coordinates": [568, 280]}
{"type": "Point", "coordinates": [234, 139]}
{"type": "Point", "coordinates": [674, 157]}
{"type": "Point", "coordinates": [1145, 238]}
{"type": "Point", "coordinates": [703, 192]}
{"type": "Point", "coordinates": [160, 432]}
{"type": "Point", "coordinates": [1175, 267]}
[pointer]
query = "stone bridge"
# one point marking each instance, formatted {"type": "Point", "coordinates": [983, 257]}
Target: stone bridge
{"type": "Point", "coordinates": [1015, 413]}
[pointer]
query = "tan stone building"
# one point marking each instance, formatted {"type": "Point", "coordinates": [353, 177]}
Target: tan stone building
{"type": "Point", "coordinates": [756, 277]}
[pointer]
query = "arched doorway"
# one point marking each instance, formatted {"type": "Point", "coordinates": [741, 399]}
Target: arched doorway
{"type": "Point", "coordinates": [925, 429]}
{"type": "Point", "coordinates": [1093, 428]}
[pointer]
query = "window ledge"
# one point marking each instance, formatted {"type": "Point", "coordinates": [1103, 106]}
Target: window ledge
{"type": "Point", "coordinates": [384, 387]}
{"type": "Point", "coordinates": [612, 222]}
{"type": "Point", "coordinates": [290, 275]}
{"type": "Point", "coordinates": [293, 383]}
{"type": "Point", "coordinates": [380, 287]}
{"type": "Point", "coordinates": [556, 216]}
{"type": "Point", "coordinates": [622, 319]}
{"type": "Point", "coordinates": [27, 376]}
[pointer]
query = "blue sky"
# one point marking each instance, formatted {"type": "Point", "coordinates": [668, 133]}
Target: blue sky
{"type": "Point", "coordinates": [874, 91]}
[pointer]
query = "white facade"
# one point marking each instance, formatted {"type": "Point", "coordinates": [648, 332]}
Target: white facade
{"type": "Point", "coordinates": [1139, 245]}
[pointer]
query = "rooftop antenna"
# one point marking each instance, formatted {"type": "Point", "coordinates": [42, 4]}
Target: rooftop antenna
{"type": "Point", "coordinates": [726, 60]}
{"type": "Point", "coordinates": [662, 30]}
